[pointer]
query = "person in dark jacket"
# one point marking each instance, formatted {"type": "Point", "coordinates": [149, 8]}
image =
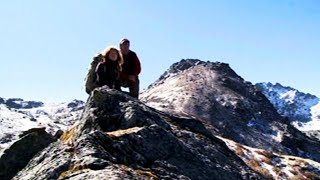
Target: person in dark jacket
{"type": "Point", "coordinates": [131, 68]}
{"type": "Point", "coordinates": [108, 70]}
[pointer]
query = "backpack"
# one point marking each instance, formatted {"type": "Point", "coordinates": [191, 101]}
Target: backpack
{"type": "Point", "coordinates": [90, 80]}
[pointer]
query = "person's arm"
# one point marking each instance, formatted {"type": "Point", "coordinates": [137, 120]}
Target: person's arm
{"type": "Point", "coordinates": [99, 74]}
{"type": "Point", "coordinates": [137, 67]}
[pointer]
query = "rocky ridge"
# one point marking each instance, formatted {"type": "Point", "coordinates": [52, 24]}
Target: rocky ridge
{"type": "Point", "coordinates": [120, 138]}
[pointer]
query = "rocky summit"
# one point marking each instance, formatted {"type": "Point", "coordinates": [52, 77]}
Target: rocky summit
{"type": "Point", "coordinates": [228, 105]}
{"type": "Point", "coordinates": [119, 137]}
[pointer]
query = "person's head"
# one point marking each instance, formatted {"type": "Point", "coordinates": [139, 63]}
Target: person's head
{"type": "Point", "coordinates": [113, 54]}
{"type": "Point", "coordinates": [124, 46]}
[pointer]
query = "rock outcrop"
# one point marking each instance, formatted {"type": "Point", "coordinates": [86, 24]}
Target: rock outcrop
{"type": "Point", "coordinates": [119, 137]}
{"type": "Point", "coordinates": [19, 153]}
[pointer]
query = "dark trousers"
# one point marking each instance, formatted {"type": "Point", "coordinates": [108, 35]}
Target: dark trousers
{"type": "Point", "coordinates": [133, 87]}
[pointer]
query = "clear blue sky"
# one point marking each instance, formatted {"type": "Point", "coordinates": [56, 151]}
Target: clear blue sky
{"type": "Point", "coordinates": [46, 46]}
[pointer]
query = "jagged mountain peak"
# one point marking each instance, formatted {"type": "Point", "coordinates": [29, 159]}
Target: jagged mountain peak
{"type": "Point", "coordinates": [228, 105]}
{"type": "Point", "coordinates": [302, 109]}
{"type": "Point", "coordinates": [182, 65]}
{"type": "Point", "coordinates": [282, 91]}
{"type": "Point", "coordinates": [186, 64]}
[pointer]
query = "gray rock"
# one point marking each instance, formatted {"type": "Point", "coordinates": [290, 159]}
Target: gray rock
{"type": "Point", "coordinates": [18, 154]}
{"type": "Point", "coordinates": [1, 100]}
{"type": "Point", "coordinates": [118, 137]}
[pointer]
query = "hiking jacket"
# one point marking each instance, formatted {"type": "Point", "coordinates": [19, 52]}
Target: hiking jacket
{"type": "Point", "coordinates": [131, 65]}
{"type": "Point", "coordinates": [107, 73]}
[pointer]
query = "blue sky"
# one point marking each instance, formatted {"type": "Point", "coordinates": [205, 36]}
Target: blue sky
{"type": "Point", "coordinates": [46, 47]}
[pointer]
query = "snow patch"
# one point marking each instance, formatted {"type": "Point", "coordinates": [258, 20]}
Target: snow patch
{"type": "Point", "coordinates": [52, 116]}
{"type": "Point", "coordinates": [276, 165]}
{"type": "Point", "coordinates": [288, 96]}
{"type": "Point", "coordinates": [315, 112]}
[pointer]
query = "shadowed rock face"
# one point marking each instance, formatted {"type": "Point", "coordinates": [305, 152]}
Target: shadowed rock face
{"type": "Point", "coordinates": [120, 138]}
{"type": "Point", "coordinates": [228, 105]}
{"type": "Point", "coordinates": [18, 154]}
{"type": "Point", "coordinates": [314, 134]}
{"type": "Point", "coordinates": [1, 100]}
{"type": "Point", "coordinates": [76, 105]}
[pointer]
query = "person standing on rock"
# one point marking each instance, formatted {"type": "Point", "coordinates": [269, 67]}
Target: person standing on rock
{"type": "Point", "coordinates": [131, 68]}
{"type": "Point", "coordinates": [108, 70]}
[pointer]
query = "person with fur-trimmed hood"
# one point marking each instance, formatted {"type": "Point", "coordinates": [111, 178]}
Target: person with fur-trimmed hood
{"type": "Point", "coordinates": [108, 70]}
{"type": "Point", "coordinates": [131, 68]}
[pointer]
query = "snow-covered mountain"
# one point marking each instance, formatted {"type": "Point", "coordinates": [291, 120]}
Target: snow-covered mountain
{"type": "Point", "coordinates": [302, 109]}
{"type": "Point", "coordinates": [17, 115]}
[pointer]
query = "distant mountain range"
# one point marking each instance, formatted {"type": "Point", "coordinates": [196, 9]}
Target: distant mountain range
{"type": "Point", "coordinates": [302, 109]}
{"type": "Point", "coordinates": [17, 115]}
